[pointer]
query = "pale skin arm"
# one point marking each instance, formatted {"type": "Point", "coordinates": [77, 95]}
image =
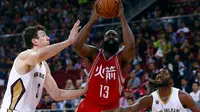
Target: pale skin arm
{"type": "Point", "coordinates": [60, 94]}
{"type": "Point", "coordinates": [35, 56]}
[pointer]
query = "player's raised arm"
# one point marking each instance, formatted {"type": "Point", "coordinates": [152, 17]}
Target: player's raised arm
{"type": "Point", "coordinates": [60, 94]}
{"type": "Point", "coordinates": [144, 102]}
{"type": "Point", "coordinates": [128, 38]}
{"type": "Point", "coordinates": [80, 47]}
{"type": "Point", "coordinates": [187, 101]}
{"type": "Point", "coordinates": [35, 56]}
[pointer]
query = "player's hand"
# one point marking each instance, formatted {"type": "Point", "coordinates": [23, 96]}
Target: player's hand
{"type": "Point", "coordinates": [74, 32]}
{"type": "Point", "coordinates": [86, 86]}
{"type": "Point", "coordinates": [95, 15]}
{"type": "Point", "coordinates": [121, 8]}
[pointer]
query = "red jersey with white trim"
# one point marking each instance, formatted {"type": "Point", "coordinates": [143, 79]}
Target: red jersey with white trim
{"type": "Point", "coordinates": [106, 81]}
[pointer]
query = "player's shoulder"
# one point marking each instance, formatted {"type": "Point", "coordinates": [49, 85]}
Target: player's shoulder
{"type": "Point", "coordinates": [183, 95]}
{"type": "Point", "coordinates": [23, 55]}
{"type": "Point", "coordinates": [146, 100]}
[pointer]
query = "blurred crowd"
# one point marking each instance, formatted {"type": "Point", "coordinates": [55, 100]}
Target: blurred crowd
{"type": "Point", "coordinates": [171, 43]}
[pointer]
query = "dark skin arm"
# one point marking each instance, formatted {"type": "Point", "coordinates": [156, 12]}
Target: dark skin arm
{"type": "Point", "coordinates": [187, 101]}
{"type": "Point", "coordinates": [144, 102]}
{"type": "Point", "coordinates": [84, 50]}
{"type": "Point", "coordinates": [128, 53]}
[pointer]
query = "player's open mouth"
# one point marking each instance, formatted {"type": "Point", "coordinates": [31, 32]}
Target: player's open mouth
{"type": "Point", "coordinates": [111, 42]}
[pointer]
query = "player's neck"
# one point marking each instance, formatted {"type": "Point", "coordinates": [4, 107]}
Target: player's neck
{"type": "Point", "coordinates": [36, 48]}
{"type": "Point", "coordinates": [196, 91]}
{"type": "Point", "coordinates": [164, 91]}
{"type": "Point", "coordinates": [107, 55]}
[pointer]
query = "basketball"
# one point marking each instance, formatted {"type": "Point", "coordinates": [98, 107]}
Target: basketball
{"type": "Point", "coordinates": [107, 8]}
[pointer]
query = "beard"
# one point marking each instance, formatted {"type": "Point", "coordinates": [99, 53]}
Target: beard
{"type": "Point", "coordinates": [111, 46]}
{"type": "Point", "coordinates": [162, 84]}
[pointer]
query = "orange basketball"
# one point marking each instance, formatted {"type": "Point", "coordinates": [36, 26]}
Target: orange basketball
{"type": "Point", "coordinates": [107, 8]}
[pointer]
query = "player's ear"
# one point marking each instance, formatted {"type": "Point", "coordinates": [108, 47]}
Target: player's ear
{"type": "Point", "coordinates": [34, 42]}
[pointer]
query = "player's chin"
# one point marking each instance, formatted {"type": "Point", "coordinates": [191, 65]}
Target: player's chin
{"type": "Point", "coordinates": [48, 43]}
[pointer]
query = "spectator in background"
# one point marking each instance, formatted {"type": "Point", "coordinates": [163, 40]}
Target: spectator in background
{"type": "Point", "coordinates": [69, 85]}
{"type": "Point", "coordinates": [181, 37]}
{"type": "Point", "coordinates": [171, 34]}
{"type": "Point", "coordinates": [181, 66]}
{"type": "Point", "coordinates": [46, 103]}
{"type": "Point", "coordinates": [130, 101]}
{"type": "Point", "coordinates": [183, 28]}
{"type": "Point", "coordinates": [163, 45]}
{"type": "Point", "coordinates": [134, 81]}
{"type": "Point", "coordinates": [54, 107]}
{"type": "Point", "coordinates": [184, 85]}
{"type": "Point", "coordinates": [141, 48]}
{"type": "Point", "coordinates": [128, 93]}
{"type": "Point", "coordinates": [139, 72]}
{"type": "Point", "coordinates": [195, 94]}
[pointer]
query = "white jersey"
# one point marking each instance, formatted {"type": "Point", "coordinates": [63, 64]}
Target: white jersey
{"type": "Point", "coordinates": [23, 92]}
{"type": "Point", "coordinates": [173, 103]}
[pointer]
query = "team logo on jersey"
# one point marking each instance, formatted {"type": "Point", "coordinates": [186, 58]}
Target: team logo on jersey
{"type": "Point", "coordinates": [157, 102]}
{"type": "Point", "coordinates": [109, 72]}
{"type": "Point", "coordinates": [169, 110]}
{"type": "Point", "coordinates": [38, 74]}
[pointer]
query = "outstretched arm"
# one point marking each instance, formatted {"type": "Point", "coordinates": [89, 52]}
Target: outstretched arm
{"type": "Point", "coordinates": [60, 94]}
{"type": "Point", "coordinates": [187, 101]}
{"type": "Point", "coordinates": [128, 38]}
{"type": "Point", "coordinates": [36, 56]}
{"type": "Point", "coordinates": [80, 47]}
{"type": "Point", "coordinates": [144, 102]}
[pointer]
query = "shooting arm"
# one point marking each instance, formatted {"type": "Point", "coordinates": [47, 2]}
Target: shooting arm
{"type": "Point", "coordinates": [79, 46]}
{"type": "Point", "coordinates": [128, 38]}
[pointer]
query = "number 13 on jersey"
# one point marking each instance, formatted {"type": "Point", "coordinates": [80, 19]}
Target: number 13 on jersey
{"type": "Point", "coordinates": [104, 91]}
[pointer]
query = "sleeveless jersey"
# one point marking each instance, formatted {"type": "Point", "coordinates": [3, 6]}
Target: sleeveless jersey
{"type": "Point", "coordinates": [173, 103]}
{"type": "Point", "coordinates": [23, 92]}
{"type": "Point", "coordinates": [106, 81]}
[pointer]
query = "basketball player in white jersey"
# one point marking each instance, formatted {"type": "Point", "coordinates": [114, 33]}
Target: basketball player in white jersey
{"type": "Point", "coordinates": [165, 99]}
{"type": "Point", "coordinates": [30, 73]}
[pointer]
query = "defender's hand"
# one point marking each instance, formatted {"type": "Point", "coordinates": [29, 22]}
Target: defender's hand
{"type": "Point", "coordinates": [86, 86]}
{"type": "Point", "coordinates": [74, 32]}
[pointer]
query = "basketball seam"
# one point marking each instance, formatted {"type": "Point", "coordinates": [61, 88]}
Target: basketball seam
{"type": "Point", "coordinates": [108, 8]}
{"type": "Point", "coordinates": [113, 10]}
{"type": "Point", "coordinates": [103, 9]}
{"type": "Point", "coordinates": [117, 8]}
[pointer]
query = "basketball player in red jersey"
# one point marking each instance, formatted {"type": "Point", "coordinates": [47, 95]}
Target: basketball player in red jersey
{"type": "Point", "coordinates": [107, 66]}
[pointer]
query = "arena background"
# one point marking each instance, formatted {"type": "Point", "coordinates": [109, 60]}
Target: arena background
{"type": "Point", "coordinates": [176, 22]}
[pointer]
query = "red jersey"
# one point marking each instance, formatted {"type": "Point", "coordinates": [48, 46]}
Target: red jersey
{"type": "Point", "coordinates": [106, 82]}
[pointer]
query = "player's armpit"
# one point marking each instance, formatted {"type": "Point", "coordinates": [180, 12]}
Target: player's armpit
{"type": "Point", "coordinates": [32, 57]}
{"type": "Point", "coordinates": [86, 51]}
{"type": "Point", "coordinates": [187, 101]}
